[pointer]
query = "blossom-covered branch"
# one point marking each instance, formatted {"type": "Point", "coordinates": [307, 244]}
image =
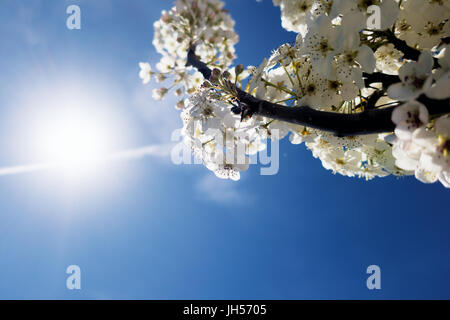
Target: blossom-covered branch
{"type": "Point", "coordinates": [368, 121]}
{"type": "Point", "coordinates": [402, 46]}
{"type": "Point", "coordinates": [368, 99]}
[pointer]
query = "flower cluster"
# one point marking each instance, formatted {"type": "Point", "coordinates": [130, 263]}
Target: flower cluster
{"type": "Point", "coordinates": [423, 23]}
{"type": "Point", "coordinates": [215, 135]}
{"type": "Point", "coordinates": [327, 69]}
{"type": "Point", "coordinates": [422, 146]}
{"type": "Point", "coordinates": [324, 70]}
{"type": "Point", "coordinates": [417, 78]}
{"type": "Point", "coordinates": [203, 23]}
{"type": "Point", "coordinates": [419, 148]}
{"type": "Point", "coordinates": [299, 15]}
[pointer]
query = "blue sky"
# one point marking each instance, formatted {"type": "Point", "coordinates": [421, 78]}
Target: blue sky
{"type": "Point", "coordinates": [147, 229]}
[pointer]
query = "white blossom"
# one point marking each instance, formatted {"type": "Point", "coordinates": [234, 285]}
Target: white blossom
{"type": "Point", "coordinates": [146, 72]}
{"type": "Point", "coordinates": [423, 23]}
{"type": "Point", "coordinates": [355, 12]}
{"type": "Point", "coordinates": [321, 44]}
{"type": "Point", "coordinates": [388, 59]}
{"type": "Point", "coordinates": [408, 118]}
{"type": "Point", "coordinates": [416, 79]}
{"type": "Point", "coordinates": [158, 94]}
{"type": "Point", "coordinates": [422, 150]}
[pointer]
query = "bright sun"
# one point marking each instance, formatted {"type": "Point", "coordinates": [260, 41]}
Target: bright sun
{"type": "Point", "coordinates": [73, 127]}
{"type": "Point", "coordinates": [72, 138]}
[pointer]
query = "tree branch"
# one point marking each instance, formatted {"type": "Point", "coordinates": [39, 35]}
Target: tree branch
{"type": "Point", "coordinates": [366, 122]}
{"type": "Point", "coordinates": [401, 45]}
{"type": "Point", "coordinates": [409, 53]}
{"type": "Point", "coordinates": [193, 61]}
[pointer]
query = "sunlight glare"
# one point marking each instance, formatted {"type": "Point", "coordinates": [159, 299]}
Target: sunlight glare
{"type": "Point", "coordinates": [73, 126]}
{"type": "Point", "coordinates": [72, 138]}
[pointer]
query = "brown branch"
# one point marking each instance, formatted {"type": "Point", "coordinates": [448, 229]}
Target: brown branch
{"type": "Point", "coordinates": [401, 45]}
{"type": "Point", "coordinates": [409, 53]}
{"type": "Point", "coordinates": [367, 122]}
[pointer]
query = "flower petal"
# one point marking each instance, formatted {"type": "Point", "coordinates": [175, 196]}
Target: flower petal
{"type": "Point", "coordinates": [366, 59]}
{"type": "Point", "coordinates": [440, 90]}
{"type": "Point", "coordinates": [402, 92]}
